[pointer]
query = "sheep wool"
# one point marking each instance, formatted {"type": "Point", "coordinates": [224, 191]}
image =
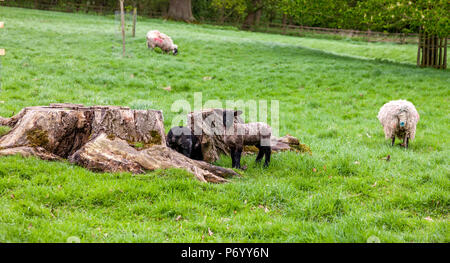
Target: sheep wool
{"type": "Point", "coordinates": [399, 118]}
{"type": "Point", "coordinates": [236, 135]}
{"type": "Point", "coordinates": [161, 40]}
{"type": "Point", "coordinates": [254, 133]}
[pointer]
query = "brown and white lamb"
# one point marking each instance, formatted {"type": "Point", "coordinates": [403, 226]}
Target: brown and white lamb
{"type": "Point", "coordinates": [236, 135]}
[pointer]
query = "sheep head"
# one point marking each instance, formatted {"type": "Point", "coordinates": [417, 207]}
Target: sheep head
{"type": "Point", "coordinates": [402, 118]}
{"type": "Point", "coordinates": [228, 117]}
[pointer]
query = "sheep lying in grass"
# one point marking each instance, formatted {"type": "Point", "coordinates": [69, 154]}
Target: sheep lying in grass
{"type": "Point", "coordinates": [236, 135]}
{"type": "Point", "coordinates": [399, 118]}
{"type": "Point", "coordinates": [183, 141]}
{"type": "Point", "coordinates": [161, 40]}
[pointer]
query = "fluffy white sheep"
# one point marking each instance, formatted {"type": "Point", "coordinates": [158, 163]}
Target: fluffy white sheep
{"type": "Point", "coordinates": [161, 40]}
{"type": "Point", "coordinates": [399, 118]}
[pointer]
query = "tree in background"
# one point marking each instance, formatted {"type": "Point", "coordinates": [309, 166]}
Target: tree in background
{"type": "Point", "coordinates": [430, 17]}
{"type": "Point", "coordinates": [180, 10]}
{"type": "Point", "coordinates": [401, 16]}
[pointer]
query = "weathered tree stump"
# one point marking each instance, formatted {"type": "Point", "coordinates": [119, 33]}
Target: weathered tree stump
{"type": "Point", "coordinates": [207, 125]}
{"type": "Point", "coordinates": [100, 138]}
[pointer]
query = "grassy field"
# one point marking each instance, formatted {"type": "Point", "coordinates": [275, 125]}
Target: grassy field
{"type": "Point", "coordinates": [330, 92]}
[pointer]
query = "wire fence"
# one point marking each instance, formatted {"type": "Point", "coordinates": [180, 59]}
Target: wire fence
{"type": "Point", "coordinates": [370, 36]}
{"type": "Point", "coordinates": [278, 28]}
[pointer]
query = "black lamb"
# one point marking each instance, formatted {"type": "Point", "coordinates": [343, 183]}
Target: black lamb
{"type": "Point", "coordinates": [183, 141]}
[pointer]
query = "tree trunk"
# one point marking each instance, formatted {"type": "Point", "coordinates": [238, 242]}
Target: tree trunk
{"type": "Point", "coordinates": [249, 21]}
{"type": "Point", "coordinates": [221, 19]}
{"type": "Point", "coordinates": [100, 138]}
{"type": "Point", "coordinates": [258, 17]}
{"type": "Point", "coordinates": [253, 15]}
{"type": "Point", "coordinates": [284, 23]}
{"type": "Point", "coordinates": [180, 10]}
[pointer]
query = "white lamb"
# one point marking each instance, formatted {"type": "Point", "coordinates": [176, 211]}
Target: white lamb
{"type": "Point", "coordinates": [161, 40]}
{"type": "Point", "coordinates": [399, 118]}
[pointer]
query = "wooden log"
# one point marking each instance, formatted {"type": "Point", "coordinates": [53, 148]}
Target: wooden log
{"type": "Point", "coordinates": [100, 138]}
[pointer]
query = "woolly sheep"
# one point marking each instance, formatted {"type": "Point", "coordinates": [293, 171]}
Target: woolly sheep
{"type": "Point", "coordinates": [161, 40]}
{"type": "Point", "coordinates": [399, 118]}
{"type": "Point", "coordinates": [236, 135]}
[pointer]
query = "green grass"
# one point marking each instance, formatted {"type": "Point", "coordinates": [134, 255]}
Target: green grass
{"type": "Point", "coordinates": [330, 92]}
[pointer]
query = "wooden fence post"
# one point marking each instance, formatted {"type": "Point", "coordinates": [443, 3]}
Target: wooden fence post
{"type": "Point", "coordinates": [122, 21]}
{"type": "Point", "coordinates": [444, 62]}
{"type": "Point", "coordinates": [419, 46]}
{"type": "Point", "coordinates": [134, 21]}
{"type": "Point", "coordinates": [431, 51]}
{"type": "Point", "coordinates": [2, 50]}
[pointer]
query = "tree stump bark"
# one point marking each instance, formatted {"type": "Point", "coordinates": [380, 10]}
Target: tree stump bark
{"type": "Point", "coordinates": [207, 126]}
{"type": "Point", "coordinates": [100, 138]}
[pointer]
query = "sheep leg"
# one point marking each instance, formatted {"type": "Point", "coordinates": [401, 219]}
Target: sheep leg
{"type": "Point", "coordinates": [233, 158]}
{"type": "Point", "coordinates": [393, 140]}
{"type": "Point", "coordinates": [406, 142]}
{"type": "Point", "coordinates": [405, 139]}
{"type": "Point", "coordinates": [238, 155]}
{"type": "Point", "coordinates": [260, 155]}
{"type": "Point", "coordinates": [267, 153]}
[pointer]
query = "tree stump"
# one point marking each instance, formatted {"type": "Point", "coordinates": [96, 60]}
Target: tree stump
{"type": "Point", "coordinates": [207, 125]}
{"type": "Point", "coordinates": [100, 138]}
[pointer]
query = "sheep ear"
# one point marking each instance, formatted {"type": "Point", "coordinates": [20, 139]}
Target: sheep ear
{"type": "Point", "coordinates": [237, 112]}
